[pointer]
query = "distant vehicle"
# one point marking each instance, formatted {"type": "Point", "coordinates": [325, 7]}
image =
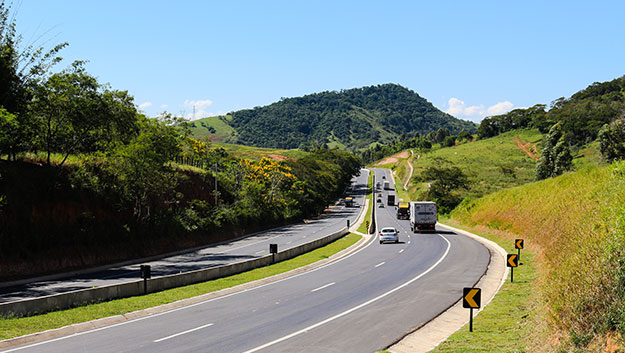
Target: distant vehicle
{"type": "Point", "coordinates": [423, 216]}
{"type": "Point", "coordinates": [403, 211]}
{"type": "Point", "coordinates": [390, 200]}
{"type": "Point", "coordinates": [381, 205]}
{"type": "Point", "coordinates": [377, 185]}
{"type": "Point", "coordinates": [389, 234]}
{"type": "Point", "coordinates": [349, 202]}
{"type": "Point", "coordinates": [387, 185]}
{"type": "Point", "coordinates": [379, 200]}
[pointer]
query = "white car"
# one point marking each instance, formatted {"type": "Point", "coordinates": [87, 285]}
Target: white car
{"type": "Point", "coordinates": [389, 234]}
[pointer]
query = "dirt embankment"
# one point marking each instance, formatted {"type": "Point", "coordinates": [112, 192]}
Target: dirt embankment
{"type": "Point", "coordinates": [393, 159]}
{"type": "Point", "coordinates": [278, 157]}
{"type": "Point", "coordinates": [527, 147]}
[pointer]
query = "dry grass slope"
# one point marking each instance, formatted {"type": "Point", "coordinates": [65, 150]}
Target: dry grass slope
{"type": "Point", "coordinates": [576, 223]}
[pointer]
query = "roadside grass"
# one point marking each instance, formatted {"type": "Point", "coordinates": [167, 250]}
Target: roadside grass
{"type": "Point", "coordinates": [504, 325]}
{"type": "Point", "coordinates": [363, 226]}
{"type": "Point", "coordinates": [577, 220]}
{"type": "Point", "coordinates": [19, 326]}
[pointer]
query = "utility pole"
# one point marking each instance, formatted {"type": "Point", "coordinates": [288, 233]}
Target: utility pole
{"type": "Point", "coordinates": [216, 192]}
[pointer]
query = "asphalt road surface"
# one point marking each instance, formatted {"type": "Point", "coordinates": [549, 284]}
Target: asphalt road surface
{"type": "Point", "coordinates": [234, 251]}
{"type": "Point", "coordinates": [361, 303]}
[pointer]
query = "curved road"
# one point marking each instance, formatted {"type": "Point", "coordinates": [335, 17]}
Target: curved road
{"type": "Point", "coordinates": [249, 247]}
{"type": "Point", "coordinates": [361, 303]}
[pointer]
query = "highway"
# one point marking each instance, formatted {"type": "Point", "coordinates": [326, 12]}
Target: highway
{"type": "Point", "coordinates": [237, 250]}
{"type": "Point", "coordinates": [361, 303]}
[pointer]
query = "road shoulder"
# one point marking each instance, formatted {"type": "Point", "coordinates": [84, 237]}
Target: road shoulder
{"type": "Point", "coordinates": [117, 319]}
{"type": "Point", "coordinates": [430, 335]}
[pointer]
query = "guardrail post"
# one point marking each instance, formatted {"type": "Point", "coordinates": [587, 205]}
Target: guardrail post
{"type": "Point", "coordinates": [273, 250]}
{"type": "Point", "coordinates": [146, 273]}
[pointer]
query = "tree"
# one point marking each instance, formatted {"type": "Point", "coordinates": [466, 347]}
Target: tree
{"type": "Point", "coordinates": [464, 136]}
{"type": "Point", "coordinates": [21, 70]}
{"type": "Point", "coordinates": [76, 115]}
{"type": "Point", "coordinates": [612, 140]}
{"type": "Point", "coordinates": [8, 124]}
{"type": "Point", "coordinates": [440, 134]}
{"type": "Point", "coordinates": [555, 157]}
{"type": "Point", "coordinates": [444, 182]}
{"type": "Point", "coordinates": [449, 141]}
{"type": "Point", "coordinates": [143, 168]}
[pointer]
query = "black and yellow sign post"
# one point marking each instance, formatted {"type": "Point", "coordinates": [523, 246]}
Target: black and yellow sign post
{"type": "Point", "coordinates": [518, 244]}
{"type": "Point", "coordinates": [512, 262]}
{"type": "Point", "coordinates": [471, 299]}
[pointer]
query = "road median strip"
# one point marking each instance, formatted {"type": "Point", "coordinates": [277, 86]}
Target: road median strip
{"type": "Point", "coordinates": [24, 330]}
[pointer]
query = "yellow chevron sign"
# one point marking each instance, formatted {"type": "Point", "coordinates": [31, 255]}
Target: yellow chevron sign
{"type": "Point", "coordinates": [471, 298]}
{"type": "Point", "coordinates": [518, 243]}
{"type": "Point", "coordinates": [513, 260]}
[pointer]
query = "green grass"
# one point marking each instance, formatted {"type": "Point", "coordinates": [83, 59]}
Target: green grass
{"type": "Point", "coordinates": [223, 131]}
{"type": "Point", "coordinates": [14, 327]}
{"type": "Point", "coordinates": [588, 156]}
{"type": "Point", "coordinates": [363, 226]}
{"type": "Point", "coordinates": [257, 153]}
{"type": "Point", "coordinates": [577, 221]}
{"type": "Point", "coordinates": [482, 161]}
{"type": "Point", "coordinates": [504, 325]}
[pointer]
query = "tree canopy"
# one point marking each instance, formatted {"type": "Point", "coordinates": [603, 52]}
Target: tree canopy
{"type": "Point", "coordinates": [354, 118]}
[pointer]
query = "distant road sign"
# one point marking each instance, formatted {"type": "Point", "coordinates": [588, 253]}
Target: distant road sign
{"type": "Point", "coordinates": [513, 260]}
{"type": "Point", "coordinates": [518, 243]}
{"type": "Point", "coordinates": [471, 298]}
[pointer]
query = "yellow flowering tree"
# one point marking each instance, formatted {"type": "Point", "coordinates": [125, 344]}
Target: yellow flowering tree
{"type": "Point", "coordinates": [275, 176]}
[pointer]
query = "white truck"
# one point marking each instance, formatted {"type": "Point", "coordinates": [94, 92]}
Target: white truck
{"type": "Point", "coordinates": [423, 216]}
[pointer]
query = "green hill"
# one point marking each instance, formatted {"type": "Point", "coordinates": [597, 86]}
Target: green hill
{"type": "Point", "coordinates": [581, 115]}
{"type": "Point", "coordinates": [350, 119]}
{"type": "Point", "coordinates": [216, 128]}
{"type": "Point", "coordinates": [491, 164]}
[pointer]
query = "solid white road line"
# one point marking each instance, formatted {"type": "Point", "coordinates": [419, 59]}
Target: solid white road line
{"type": "Point", "coordinates": [192, 305]}
{"type": "Point", "coordinates": [322, 287]}
{"type": "Point", "coordinates": [182, 333]}
{"type": "Point", "coordinates": [356, 307]}
{"type": "Point", "coordinates": [380, 264]}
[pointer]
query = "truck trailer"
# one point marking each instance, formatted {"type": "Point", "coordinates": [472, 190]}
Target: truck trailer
{"type": "Point", "coordinates": [423, 216]}
{"type": "Point", "coordinates": [390, 200]}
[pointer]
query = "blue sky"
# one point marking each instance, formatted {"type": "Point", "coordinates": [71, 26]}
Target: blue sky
{"type": "Point", "coordinates": [469, 58]}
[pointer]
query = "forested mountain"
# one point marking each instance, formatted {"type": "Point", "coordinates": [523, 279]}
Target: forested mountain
{"type": "Point", "coordinates": [352, 118]}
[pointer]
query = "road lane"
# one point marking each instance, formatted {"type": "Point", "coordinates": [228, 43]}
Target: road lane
{"type": "Point", "coordinates": [246, 248]}
{"type": "Point", "coordinates": [366, 309]}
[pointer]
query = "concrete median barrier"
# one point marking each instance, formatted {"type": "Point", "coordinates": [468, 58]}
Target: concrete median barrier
{"type": "Point", "coordinates": [134, 288]}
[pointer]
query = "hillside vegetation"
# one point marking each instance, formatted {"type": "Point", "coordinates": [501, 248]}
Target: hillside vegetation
{"type": "Point", "coordinates": [581, 115]}
{"type": "Point", "coordinates": [352, 118]}
{"type": "Point", "coordinates": [577, 223]}
{"type": "Point", "coordinates": [86, 179]}
{"type": "Point", "coordinates": [216, 128]}
{"type": "Point", "coordinates": [490, 164]}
